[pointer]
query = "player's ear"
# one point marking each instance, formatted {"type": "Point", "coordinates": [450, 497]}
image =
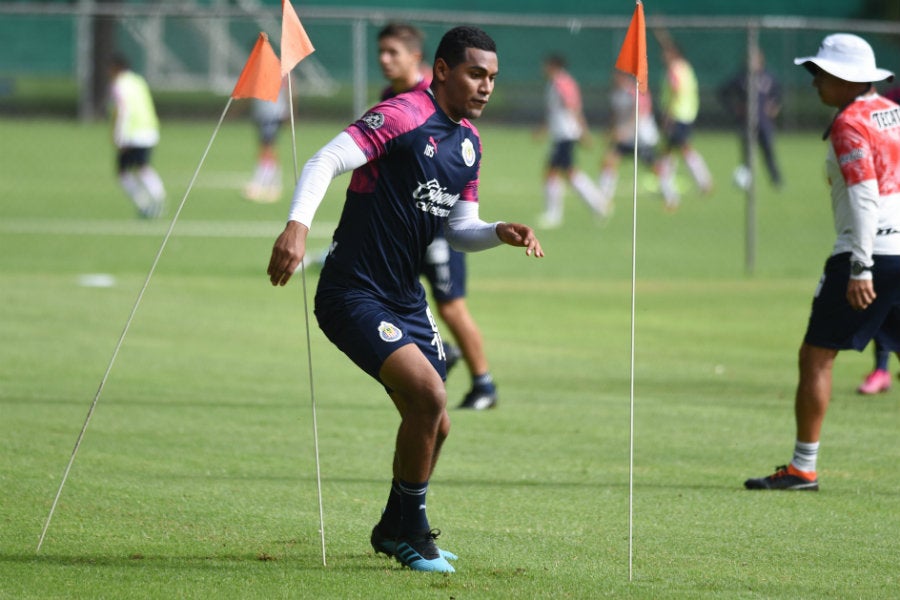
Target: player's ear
{"type": "Point", "coordinates": [441, 70]}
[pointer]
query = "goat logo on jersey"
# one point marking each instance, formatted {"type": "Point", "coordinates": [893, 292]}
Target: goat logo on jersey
{"type": "Point", "coordinates": [373, 119]}
{"type": "Point", "coordinates": [468, 152]}
{"type": "Point", "coordinates": [389, 332]}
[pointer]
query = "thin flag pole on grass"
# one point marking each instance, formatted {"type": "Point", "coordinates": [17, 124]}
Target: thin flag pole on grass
{"type": "Point", "coordinates": [259, 79]}
{"type": "Point", "coordinates": [633, 59]}
{"type": "Point", "coordinates": [295, 46]}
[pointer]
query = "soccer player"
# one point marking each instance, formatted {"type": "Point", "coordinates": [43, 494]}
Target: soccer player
{"type": "Point", "coordinates": [566, 125]}
{"type": "Point", "coordinates": [400, 56]}
{"type": "Point", "coordinates": [268, 117]}
{"type": "Point", "coordinates": [135, 132]}
{"type": "Point", "coordinates": [733, 95]}
{"type": "Point", "coordinates": [859, 293]}
{"type": "Point", "coordinates": [415, 160]}
{"type": "Point", "coordinates": [680, 99]}
{"type": "Point", "coordinates": [621, 134]}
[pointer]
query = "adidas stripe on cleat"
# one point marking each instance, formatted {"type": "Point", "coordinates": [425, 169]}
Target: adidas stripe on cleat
{"type": "Point", "coordinates": [385, 543]}
{"type": "Point", "coordinates": [785, 477]}
{"type": "Point", "coordinates": [419, 553]}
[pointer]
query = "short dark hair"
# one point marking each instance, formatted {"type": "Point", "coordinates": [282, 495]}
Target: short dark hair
{"type": "Point", "coordinates": [455, 42]}
{"type": "Point", "coordinates": [555, 60]}
{"type": "Point", "coordinates": [411, 36]}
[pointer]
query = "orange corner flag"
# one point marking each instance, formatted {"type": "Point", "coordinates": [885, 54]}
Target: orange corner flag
{"type": "Point", "coordinates": [295, 44]}
{"type": "Point", "coordinates": [261, 77]}
{"type": "Point", "coordinates": [633, 55]}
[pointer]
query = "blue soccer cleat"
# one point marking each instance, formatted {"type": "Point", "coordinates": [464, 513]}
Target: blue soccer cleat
{"type": "Point", "coordinates": [419, 552]}
{"type": "Point", "coordinates": [384, 542]}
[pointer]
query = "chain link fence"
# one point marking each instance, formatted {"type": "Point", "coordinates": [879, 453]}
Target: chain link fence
{"type": "Point", "coordinates": [190, 51]}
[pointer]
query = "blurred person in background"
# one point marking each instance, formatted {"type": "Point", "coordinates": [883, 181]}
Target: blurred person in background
{"type": "Point", "coordinates": [400, 49]}
{"type": "Point", "coordinates": [268, 118]}
{"type": "Point", "coordinates": [858, 296]}
{"type": "Point", "coordinates": [566, 126]}
{"type": "Point", "coordinates": [733, 95]}
{"type": "Point", "coordinates": [622, 136]}
{"type": "Point", "coordinates": [680, 103]}
{"type": "Point", "coordinates": [135, 132]}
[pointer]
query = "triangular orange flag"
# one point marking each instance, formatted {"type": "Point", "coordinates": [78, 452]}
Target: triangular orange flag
{"type": "Point", "coordinates": [261, 77]}
{"type": "Point", "coordinates": [633, 55]}
{"type": "Point", "coordinates": [295, 44]}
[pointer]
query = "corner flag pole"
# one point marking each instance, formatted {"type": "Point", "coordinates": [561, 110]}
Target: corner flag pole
{"type": "Point", "coordinates": [295, 46]}
{"type": "Point", "coordinates": [633, 59]}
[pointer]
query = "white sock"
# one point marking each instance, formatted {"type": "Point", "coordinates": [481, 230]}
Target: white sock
{"type": "Point", "coordinates": [152, 183]}
{"type": "Point", "coordinates": [805, 455]}
{"type": "Point", "coordinates": [136, 192]}
{"type": "Point", "coordinates": [588, 191]}
{"type": "Point", "coordinates": [699, 170]}
{"type": "Point", "coordinates": [666, 173]}
{"type": "Point", "coordinates": [554, 190]}
{"type": "Point", "coordinates": [609, 178]}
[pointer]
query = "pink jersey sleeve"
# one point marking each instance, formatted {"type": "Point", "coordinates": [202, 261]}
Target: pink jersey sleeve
{"type": "Point", "coordinates": [388, 120]}
{"type": "Point", "coordinates": [470, 192]}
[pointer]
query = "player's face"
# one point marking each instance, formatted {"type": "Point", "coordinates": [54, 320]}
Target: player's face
{"type": "Point", "coordinates": [397, 61]}
{"type": "Point", "coordinates": [832, 91]}
{"type": "Point", "coordinates": [468, 86]}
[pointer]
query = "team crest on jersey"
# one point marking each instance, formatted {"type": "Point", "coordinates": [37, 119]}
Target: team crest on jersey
{"type": "Point", "coordinates": [373, 119]}
{"type": "Point", "coordinates": [468, 152]}
{"type": "Point", "coordinates": [389, 332]}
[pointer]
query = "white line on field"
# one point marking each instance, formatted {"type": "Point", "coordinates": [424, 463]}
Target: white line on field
{"type": "Point", "coordinates": [226, 229]}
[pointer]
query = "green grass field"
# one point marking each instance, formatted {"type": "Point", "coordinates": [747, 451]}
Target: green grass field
{"type": "Point", "coordinates": [196, 477]}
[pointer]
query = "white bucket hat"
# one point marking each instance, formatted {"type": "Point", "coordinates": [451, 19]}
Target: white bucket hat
{"type": "Point", "coordinates": [847, 57]}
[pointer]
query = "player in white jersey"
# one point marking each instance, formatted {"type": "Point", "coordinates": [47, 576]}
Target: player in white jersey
{"type": "Point", "coordinates": [135, 134]}
{"type": "Point", "coordinates": [859, 293]}
{"type": "Point", "coordinates": [566, 126]}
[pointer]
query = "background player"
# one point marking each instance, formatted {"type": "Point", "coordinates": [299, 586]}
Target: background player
{"type": "Point", "coordinates": [135, 132]}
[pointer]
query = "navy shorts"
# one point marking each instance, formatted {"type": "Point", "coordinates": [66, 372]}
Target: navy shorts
{"type": "Point", "coordinates": [445, 270]}
{"type": "Point", "coordinates": [647, 154]}
{"type": "Point", "coordinates": [367, 331]}
{"type": "Point", "coordinates": [678, 134]}
{"type": "Point", "coordinates": [834, 324]}
{"type": "Point", "coordinates": [132, 158]}
{"type": "Point", "coordinates": [562, 155]}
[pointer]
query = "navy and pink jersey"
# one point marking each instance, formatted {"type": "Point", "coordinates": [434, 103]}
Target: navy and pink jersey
{"type": "Point", "coordinates": [420, 164]}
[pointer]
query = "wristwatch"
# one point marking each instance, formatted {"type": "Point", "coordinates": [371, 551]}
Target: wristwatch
{"type": "Point", "coordinates": [857, 268]}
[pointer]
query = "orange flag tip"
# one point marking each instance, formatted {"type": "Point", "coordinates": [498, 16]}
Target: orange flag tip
{"type": "Point", "coordinates": [295, 44]}
{"type": "Point", "coordinates": [633, 56]}
{"type": "Point", "coordinates": [261, 77]}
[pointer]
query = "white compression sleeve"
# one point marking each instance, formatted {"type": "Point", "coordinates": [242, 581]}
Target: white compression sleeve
{"type": "Point", "coordinates": [465, 230]}
{"type": "Point", "coordinates": [864, 202]}
{"type": "Point", "coordinates": [337, 156]}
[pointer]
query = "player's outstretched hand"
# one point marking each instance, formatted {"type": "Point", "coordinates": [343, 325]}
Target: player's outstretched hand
{"type": "Point", "coordinates": [516, 234]}
{"type": "Point", "coordinates": [287, 252]}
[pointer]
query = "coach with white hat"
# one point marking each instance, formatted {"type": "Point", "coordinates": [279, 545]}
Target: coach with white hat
{"type": "Point", "coordinates": [858, 298]}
